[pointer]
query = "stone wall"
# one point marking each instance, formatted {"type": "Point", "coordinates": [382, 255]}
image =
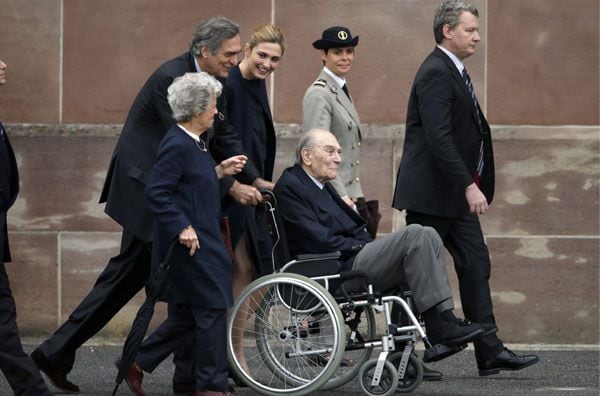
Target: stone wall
{"type": "Point", "coordinates": [75, 67]}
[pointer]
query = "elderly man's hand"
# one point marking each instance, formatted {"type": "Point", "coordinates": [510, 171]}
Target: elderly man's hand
{"type": "Point", "coordinates": [189, 239]}
{"type": "Point", "coordinates": [477, 202]}
{"type": "Point", "coordinates": [262, 184]}
{"type": "Point", "coordinates": [245, 194]}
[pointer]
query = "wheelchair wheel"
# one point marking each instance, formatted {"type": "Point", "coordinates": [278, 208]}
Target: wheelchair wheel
{"type": "Point", "coordinates": [413, 375]}
{"type": "Point", "coordinates": [387, 384]}
{"type": "Point", "coordinates": [352, 360]}
{"type": "Point", "coordinates": [292, 335]}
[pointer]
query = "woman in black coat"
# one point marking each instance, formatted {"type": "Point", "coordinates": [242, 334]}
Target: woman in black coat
{"type": "Point", "coordinates": [183, 194]}
{"type": "Point", "coordinates": [249, 113]}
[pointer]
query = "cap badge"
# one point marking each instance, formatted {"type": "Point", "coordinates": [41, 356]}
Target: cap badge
{"type": "Point", "coordinates": [342, 35]}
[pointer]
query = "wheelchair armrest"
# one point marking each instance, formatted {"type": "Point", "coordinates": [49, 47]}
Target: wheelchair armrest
{"type": "Point", "coordinates": [344, 275]}
{"type": "Point", "coordinates": [322, 256]}
{"type": "Point", "coordinates": [312, 265]}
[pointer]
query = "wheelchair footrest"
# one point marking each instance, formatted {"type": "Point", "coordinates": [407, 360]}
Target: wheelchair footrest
{"type": "Point", "coordinates": [441, 351]}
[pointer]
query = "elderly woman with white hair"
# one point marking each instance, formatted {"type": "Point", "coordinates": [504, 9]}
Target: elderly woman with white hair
{"type": "Point", "coordinates": [183, 193]}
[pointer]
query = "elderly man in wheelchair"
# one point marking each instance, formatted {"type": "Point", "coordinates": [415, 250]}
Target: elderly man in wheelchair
{"type": "Point", "coordinates": [298, 341]}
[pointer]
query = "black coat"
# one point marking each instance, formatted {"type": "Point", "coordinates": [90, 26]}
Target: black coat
{"type": "Point", "coordinates": [318, 221]}
{"type": "Point", "coordinates": [133, 158]}
{"type": "Point", "coordinates": [441, 144]}
{"type": "Point", "coordinates": [9, 188]}
{"type": "Point", "coordinates": [183, 190]}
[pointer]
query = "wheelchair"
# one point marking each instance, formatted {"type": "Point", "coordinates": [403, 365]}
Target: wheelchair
{"type": "Point", "coordinates": [303, 331]}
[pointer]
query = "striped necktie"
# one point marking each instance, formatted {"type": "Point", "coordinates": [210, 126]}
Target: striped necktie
{"type": "Point", "coordinates": [469, 83]}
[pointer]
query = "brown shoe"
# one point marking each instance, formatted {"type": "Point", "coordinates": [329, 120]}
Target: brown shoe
{"type": "Point", "coordinates": [134, 380]}
{"type": "Point", "coordinates": [55, 374]}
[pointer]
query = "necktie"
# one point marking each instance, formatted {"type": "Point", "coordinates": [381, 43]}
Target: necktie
{"type": "Point", "coordinates": [467, 79]}
{"type": "Point", "coordinates": [345, 89]}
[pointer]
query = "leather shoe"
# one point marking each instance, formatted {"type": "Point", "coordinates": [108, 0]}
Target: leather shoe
{"type": "Point", "coordinates": [431, 375]}
{"type": "Point", "coordinates": [134, 380]}
{"type": "Point", "coordinates": [454, 334]}
{"type": "Point", "coordinates": [488, 328]}
{"type": "Point", "coordinates": [230, 392]}
{"type": "Point", "coordinates": [55, 374]}
{"type": "Point", "coordinates": [506, 360]}
{"type": "Point", "coordinates": [182, 388]}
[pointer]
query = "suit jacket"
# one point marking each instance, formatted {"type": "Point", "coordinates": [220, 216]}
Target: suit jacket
{"type": "Point", "coordinates": [326, 106]}
{"type": "Point", "coordinates": [183, 190]}
{"type": "Point", "coordinates": [133, 158]}
{"type": "Point", "coordinates": [318, 221]}
{"type": "Point", "coordinates": [9, 188]}
{"type": "Point", "coordinates": [441, 144]}
{"type": "Point", "coordinates": [243, 118]}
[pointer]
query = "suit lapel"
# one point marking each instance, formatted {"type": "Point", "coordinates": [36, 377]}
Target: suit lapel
{"type": "Point", "coordinates": [340, 96]}
{"type": "Point", "coordinates": [461, 83]}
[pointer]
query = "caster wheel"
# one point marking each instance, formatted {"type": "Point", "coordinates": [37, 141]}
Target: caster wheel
{"type": "Point", "coordinates": [413, 375]}
{"type": "Point", "coordinates": [388, 382]}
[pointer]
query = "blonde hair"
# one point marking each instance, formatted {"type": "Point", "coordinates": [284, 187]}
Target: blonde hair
{"type": "Point", "coordinates": [266, 33]}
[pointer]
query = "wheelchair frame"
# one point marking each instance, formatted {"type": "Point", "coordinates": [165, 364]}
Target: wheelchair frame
{"type": "Point", "coordinates": [298, 341]}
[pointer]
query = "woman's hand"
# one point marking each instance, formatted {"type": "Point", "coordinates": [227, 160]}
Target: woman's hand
{"type": "Point", "coordinates": [231, 166]}
{"type": "Point", "coordinates": [189, 239]}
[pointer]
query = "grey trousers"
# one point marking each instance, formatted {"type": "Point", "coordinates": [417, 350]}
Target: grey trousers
{"type": "Point", "coordinates": [413, 254]}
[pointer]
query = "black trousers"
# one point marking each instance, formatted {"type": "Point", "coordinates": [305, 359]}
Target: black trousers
{"type": "Point", "coordinates": [463, 238]}
{"type": "Point", "coordinates": [18, 368]}
{"type": "Point", "coordinates": [203, 331]}
{"type": "Point", "coordinates": [124, 276]}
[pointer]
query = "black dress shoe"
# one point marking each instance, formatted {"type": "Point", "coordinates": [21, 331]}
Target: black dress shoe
{"type": "Point", "coordinates": [454, 334]}
{"type": "Point", "coordinates": [55, 374]}
{"type": "Point", "coordinates": [488, 328]}
{"type": "Point", "coordinates": [506, 360]}
{"type": "Point", "coordinates": [431, 375]}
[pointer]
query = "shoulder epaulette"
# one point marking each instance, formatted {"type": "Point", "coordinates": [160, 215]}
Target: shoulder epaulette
{"type": "Point", "coordinates": [320, 83]}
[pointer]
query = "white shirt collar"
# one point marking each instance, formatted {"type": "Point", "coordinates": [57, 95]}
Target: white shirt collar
{"type": "Point", "coordinates": [198, 70]}
{"type": "Point", "coordinates": [340, 81]}
{"type": "Point", "coordinates": [192, 135]}
{"type": "Point", "coordinates": [318, 183]}
{"type": "Point", "coordinates": [457, 62]}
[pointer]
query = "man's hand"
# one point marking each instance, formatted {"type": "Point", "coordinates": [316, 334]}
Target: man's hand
{"type": "Point", "coordinates": [476, 200]}
{"type": "Point", "coordinates": [189, 239]}
{"type": "Point", "coordinates": [245, 194]}
{"type": "Point", "coordinates": [262, 184]}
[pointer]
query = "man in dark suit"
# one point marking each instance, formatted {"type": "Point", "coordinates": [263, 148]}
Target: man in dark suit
{"type": "Point", "coordinates": [214, 49]}
{"type": "Point", "coordinates": [18, 368]}
{"type": "Point", "coordinates": [446, 174]}
{"type": "Point", "coordinates": [318, 220]}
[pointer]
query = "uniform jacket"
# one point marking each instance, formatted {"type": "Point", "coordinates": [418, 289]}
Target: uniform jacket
{"type": "Point", "coordinates": [243, 119]}
{"type": "Point", "coordinates": [9, 188]}
{"type": "Point", "coordinates": [326, 106]}
{"type": "Point", "coordinates": [133, 158]}
{"type": "Point", "coordinates": [318, 221]}
{"type": "Point", "coordinates": [441, 144]}
{"type": "Point", "coordinates": [183, 190]}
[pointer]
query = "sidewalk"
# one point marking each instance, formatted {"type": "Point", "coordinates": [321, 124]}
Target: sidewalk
{"type": "Point", "coordinates": [571, 370]}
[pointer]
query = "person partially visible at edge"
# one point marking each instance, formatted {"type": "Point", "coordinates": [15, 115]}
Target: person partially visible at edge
{"type": "Point", "coordinates": [214, 49]}
{"type": "Point", "coordinates": [20, 371]}
{"type": "Point", "coordinates": [183, 193]}
{"type": "Point", "coordinates": [250, 114]}
{"type": "Point", "coordinates": [446, 174]}
{"type": "Point", "coordinates": [328, 104]}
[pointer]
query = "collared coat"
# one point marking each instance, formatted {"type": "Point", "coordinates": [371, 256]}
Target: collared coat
{"type": "Point", "coordinates": [9, 189]}
{"type": "Point", "coordinates": [318, 221]}
{"type": "Point", "coordinates": [183, 190]}
{"type": "Point", "coordinates": [133, 158]}
{"type": "Point", "coordinates": [441, 144]}
{"type": "Point", "coordinates": [326, 106]}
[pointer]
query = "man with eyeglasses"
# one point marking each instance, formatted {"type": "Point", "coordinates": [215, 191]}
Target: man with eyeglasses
{"type": "Point", "coordinates": [214, 49]}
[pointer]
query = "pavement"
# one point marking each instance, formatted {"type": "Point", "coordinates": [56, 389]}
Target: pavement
{"type": "Point", "coordinates": [562, 370]}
